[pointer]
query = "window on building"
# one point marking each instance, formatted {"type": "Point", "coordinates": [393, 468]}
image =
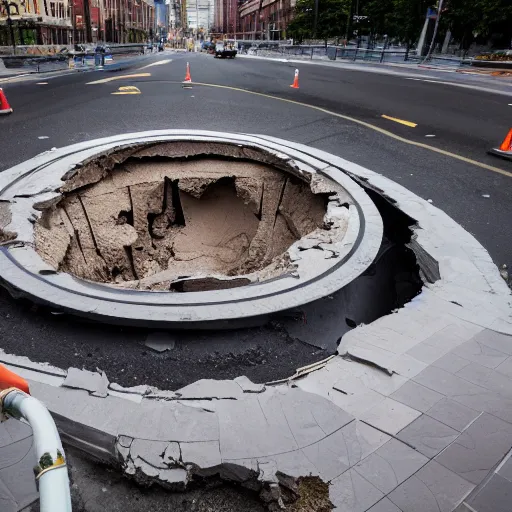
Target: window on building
{"type": "Point", "coordinates": [52, 9]}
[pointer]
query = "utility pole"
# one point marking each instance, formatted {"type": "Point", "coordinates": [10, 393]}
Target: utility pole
{"type": "Point", "coordinates": [434, 35]}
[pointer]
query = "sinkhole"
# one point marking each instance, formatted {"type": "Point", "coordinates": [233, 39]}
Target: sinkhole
{"type": "Point", "coordinates": [182, 224]}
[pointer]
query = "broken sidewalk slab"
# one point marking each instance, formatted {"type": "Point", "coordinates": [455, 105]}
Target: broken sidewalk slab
{"type": "Point", "coordinates": [142, 389]}
{"type": "Point", "coordinates": [248, 386]}
{"type": "Point", "coordinates": [160, 341]}
{"type": "Point", "coordinates": [94, 382]}
{"type": "Point", "coordinates": [209, 389]}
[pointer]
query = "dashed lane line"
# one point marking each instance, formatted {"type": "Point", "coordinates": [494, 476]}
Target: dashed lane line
{"type": "Point", "coordinates": [159, 63]}
{"type": "Point", "coordinates": [401, 121]}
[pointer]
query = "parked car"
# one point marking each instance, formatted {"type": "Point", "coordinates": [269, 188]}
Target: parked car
{"type": "Point", "coordinates": [224, 51]}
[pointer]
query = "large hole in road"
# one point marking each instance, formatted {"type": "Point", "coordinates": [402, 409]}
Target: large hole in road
{"type": "Point", "coordinates": [189, 216]}
{"type": "Point", "coordinates": [182, 225]}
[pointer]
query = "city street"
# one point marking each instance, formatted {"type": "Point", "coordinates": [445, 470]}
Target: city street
{"type": "Point", "coordinates": [426, 130]}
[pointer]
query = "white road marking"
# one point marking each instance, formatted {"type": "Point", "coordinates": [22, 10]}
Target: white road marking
{"type": "Point", "coordinates": [42, 83]}
{"type": "Point", "coordinates": [430, 135]}
{"type": "Point", "coordinates": [43, 137]}
{"type": "Point", "coordinates": [159, 63]}
{"type": "Point", "coordinates": [464, 86]}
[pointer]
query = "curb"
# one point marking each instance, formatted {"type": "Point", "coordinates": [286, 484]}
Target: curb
{"type": "Point", "coordinates": [393, 384]}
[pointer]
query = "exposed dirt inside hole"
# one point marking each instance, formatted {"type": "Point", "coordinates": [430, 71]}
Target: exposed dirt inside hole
{"type": "Point", "coordinates": [180, 224]}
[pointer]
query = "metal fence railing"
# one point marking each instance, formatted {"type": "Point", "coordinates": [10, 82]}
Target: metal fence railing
{"type": "Point", "coordinates": [379, 54]}
{"type": "Point", "coordinates": [85, 57]}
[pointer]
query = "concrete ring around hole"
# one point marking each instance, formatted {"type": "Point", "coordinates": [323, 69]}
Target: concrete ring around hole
{"type": "Point", "coordinates": [183, 228]}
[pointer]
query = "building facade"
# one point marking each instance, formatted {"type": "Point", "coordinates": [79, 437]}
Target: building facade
{"type": "Point", "coordinates": [267, 21]}
{"type": "Point", "coordinates": [226, 20]}
{"type": "Point", "coordinates": [30, 22]}
{"type": "Point", "coordinates": [66, 22]}
{"type": "Point", "coordinates": [200, 16]}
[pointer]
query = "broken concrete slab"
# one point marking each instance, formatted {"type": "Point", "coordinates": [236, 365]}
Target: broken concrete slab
{"type": "Point", "coordinates": [204, 456]}
{"type": "Point", "coordinates": [248, 386]}
{"type": "Point", "coordinates": [94, 382]}
{"type": "Point", "coordinates": [151, 452]}
{"type": "Point", "coordinates": [209, 389]}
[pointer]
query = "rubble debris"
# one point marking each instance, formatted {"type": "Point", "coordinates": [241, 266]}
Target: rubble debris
{"type": "Point", "coordinates": [142, 390]}
{"type": "Point", "coordinates": [209, 389]}
{"type": "Point", "coordinates": [248, 386]}
{"type": "Point", "coordinates": [313, 495]}
{"type": "Point", "coordinates": [302, 372]}
{"type": "Point", "coordinates": [354, 356]}
{"type": "Point", "coordinates": [96, 383]}
{"type": "Point", "coordinates": [177, 465]}
{"type": "Point", "coordinates": [186, 224]}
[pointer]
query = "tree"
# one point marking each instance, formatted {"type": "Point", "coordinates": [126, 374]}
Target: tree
{"type": "Point", "coordinates": [332, 19]}
{"type": "Point", "coordinates": [408, 19]}
{"type": "Point", "coordinates": [479, 18]}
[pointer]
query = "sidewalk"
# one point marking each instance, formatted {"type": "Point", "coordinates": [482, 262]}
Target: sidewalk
{"type": "Point", "coordinates": [119, 64]}
{"type": "Point", "coordinates": [17, 460]}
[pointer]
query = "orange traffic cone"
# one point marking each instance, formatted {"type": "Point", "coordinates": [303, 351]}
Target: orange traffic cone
{"type": "Point", "coordinates": [295, 84]}
{"type": "Point", "coordinates": [5, 108]}
{"type": "Point", "coordinates": [188, 78]}
{"type": "Point", "coordinates": [10, 379]}
{"type": "Point", "coordinates": [505, 150]}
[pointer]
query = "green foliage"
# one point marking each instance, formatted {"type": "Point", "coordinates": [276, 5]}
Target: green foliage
{"type": "Point", "coordinates": [332, 19]}
{"type": "Point", "coordinates": [403, 19]}
{"type": "Point", "coordinates": [479, 18]}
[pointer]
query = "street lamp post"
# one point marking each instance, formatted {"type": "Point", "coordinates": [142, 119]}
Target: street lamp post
{"type": "Point", "coordinates": [9, 22]}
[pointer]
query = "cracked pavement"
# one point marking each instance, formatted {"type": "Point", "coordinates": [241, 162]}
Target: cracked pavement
{"type": "Point", "coordinates": [431, 433]}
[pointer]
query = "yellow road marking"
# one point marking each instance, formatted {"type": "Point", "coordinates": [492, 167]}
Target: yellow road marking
{"type": "Point", "coordinates": [401, 121]}
{"type": "Point", "coordinates": [367, 125]}
{"type": "Point", "coordinates": [129, 89]}
{"type": "Point", "coordinates": [113, 78]}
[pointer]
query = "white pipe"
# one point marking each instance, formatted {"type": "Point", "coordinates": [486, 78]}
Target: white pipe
{"type": "Point", "coordinates": [54, 492]}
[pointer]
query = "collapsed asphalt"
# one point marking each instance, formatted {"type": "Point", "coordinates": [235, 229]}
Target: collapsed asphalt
{"type": "Point", "coordinates": [66, 110]}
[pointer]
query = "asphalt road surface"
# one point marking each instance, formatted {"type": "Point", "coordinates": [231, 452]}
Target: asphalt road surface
{"type": "Point", "coordinates": [338, 110]}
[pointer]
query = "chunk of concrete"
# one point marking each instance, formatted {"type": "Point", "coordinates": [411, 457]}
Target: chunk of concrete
{"type": "Point", "coordinates": [211, 389]}
{"type": "Point", "coordinates": [204, 456]}
{"type": "Point", "coordinates": [151, 452]}
{"type": "Point", "coordinates": [248, 386]}
{"type": "Point", "coordinates": [94, 382]}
